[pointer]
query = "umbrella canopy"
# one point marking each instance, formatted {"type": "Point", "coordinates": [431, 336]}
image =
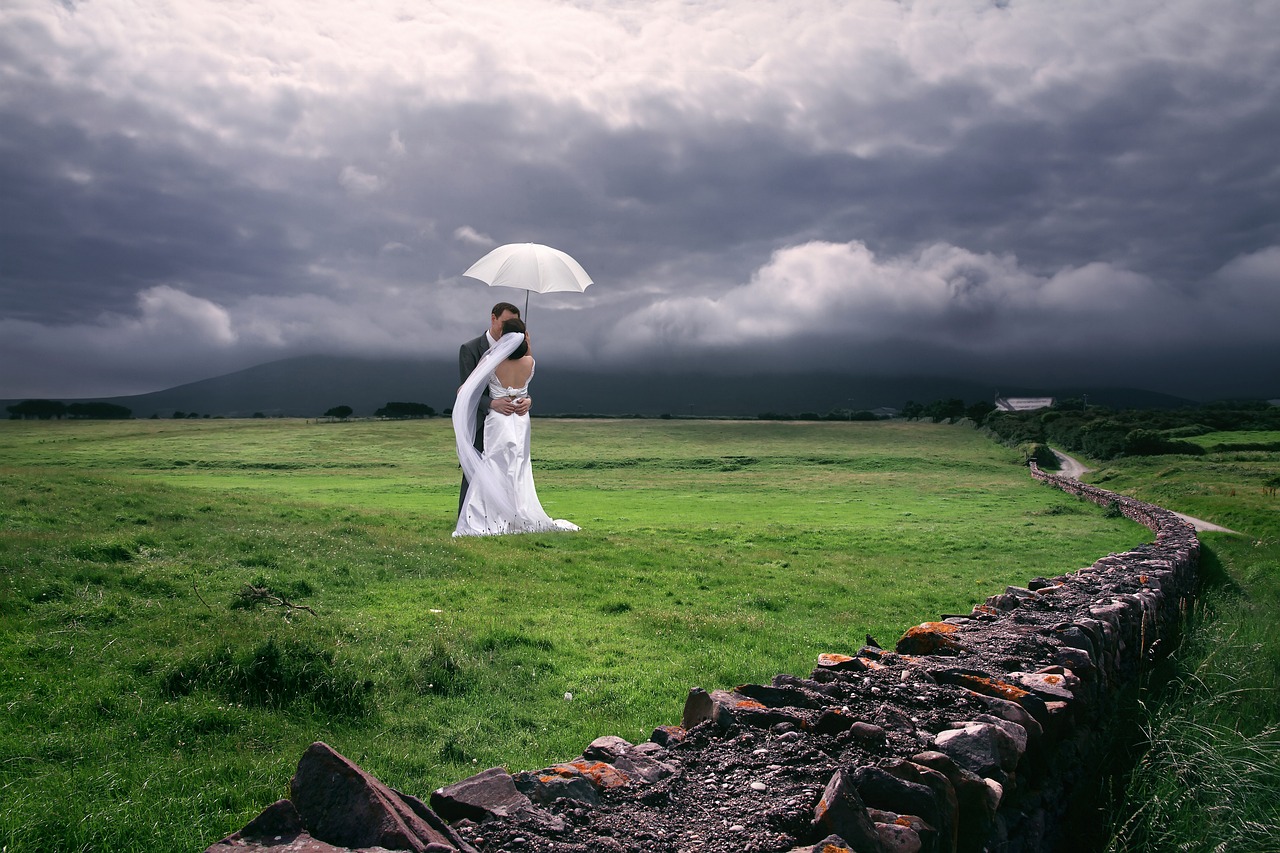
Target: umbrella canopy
{"type": "Point", "coordinates": [532, 267]}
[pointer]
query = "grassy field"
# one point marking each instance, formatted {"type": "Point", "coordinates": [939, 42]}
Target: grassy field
{"type": "Point", "coordinates": [150, 705]}
{"type": "Point", "coordinates": [1210, 775]}
{"type": "Point", "coordinates": [1224, 442]}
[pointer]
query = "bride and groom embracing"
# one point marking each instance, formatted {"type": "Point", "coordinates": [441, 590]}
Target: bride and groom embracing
{"type": "Point", "coordinates": [491, 429]}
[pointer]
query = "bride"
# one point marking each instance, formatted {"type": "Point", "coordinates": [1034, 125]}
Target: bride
{"type": "Point", "coordinates": [501, 497]}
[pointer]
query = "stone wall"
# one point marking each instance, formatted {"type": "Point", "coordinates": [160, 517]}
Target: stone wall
{"type": "Point", "coordinates": [975, 732]}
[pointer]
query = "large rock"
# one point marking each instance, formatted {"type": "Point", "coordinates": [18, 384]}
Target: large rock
{"type": "Point", "coordinates": [905, 794]}
{"type": "Point", "coordinates": [725, 709]}
{"type": "Point", "coordinates": [840, 811]}
{"type": "Point", "coordinates": [947, 819]}
{"type": "Point", "coordinates": [984, 748]}
{"type": "Point", "coordinates": [545, 786]}
{"type": "Point", "coordinates": [481, 797]}
{"type": "Point", "coordinates": [898, 839]}
{"type": "Point", "coordinates": [343, 805]}
{"type": "Point", "coordinates": [277, 830]}
{"type": "Point", "coordinates": [930, 638]}
{"type": "Point", "coordinates": [977, 812]}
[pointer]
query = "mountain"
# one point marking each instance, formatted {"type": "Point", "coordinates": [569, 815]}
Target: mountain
{"type": "Point", "coordinates": [308, 386]}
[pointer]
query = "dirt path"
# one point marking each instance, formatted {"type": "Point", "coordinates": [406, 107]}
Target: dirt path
{"type": "Point", "coordinates": [1074, 468]}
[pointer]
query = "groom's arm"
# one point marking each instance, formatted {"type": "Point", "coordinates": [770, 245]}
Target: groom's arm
{"type": "Point", "coordinates": [468, 358]}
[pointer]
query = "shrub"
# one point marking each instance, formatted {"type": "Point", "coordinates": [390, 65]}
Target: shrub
{"type": "Point", "coordinates": [443, 670]}
{"type": "Point", "coordinates": [1149, 442]}
{"type": "Point", "coordinates": [1041, 455]}
{"type": "Point", "coordinates": [275, 675]}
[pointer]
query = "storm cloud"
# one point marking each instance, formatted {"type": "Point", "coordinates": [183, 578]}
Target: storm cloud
{"type": "Point", "coordinates": [1022, 192]}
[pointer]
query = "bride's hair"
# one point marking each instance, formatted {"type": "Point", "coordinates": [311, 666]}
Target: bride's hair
{"type": "Point", "coordinates": [515, 324]}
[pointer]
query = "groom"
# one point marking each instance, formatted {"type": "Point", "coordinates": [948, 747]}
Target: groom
{"type": "Point", "coordinates": [468, 355]}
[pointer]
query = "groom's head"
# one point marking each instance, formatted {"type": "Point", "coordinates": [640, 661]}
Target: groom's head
{"type": "Point", "coordinates": [501, 313]}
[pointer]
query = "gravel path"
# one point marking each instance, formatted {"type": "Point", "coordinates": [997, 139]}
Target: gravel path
{"type": "Point", "coordinates": [1074, 468]}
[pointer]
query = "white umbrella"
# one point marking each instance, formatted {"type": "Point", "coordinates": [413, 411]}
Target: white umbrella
{"type": "Point", "coordinates": [532, 267]}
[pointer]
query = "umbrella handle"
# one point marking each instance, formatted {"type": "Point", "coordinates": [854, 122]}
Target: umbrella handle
{"type": "Point", "coordinates": [526, 306]}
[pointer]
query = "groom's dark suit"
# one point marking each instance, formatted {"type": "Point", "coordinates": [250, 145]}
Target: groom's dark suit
{"type": "Point", "coordinates": [468, 356]}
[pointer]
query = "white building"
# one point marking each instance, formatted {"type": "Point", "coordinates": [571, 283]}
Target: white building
{"type": "Point", "coordinates": [1023, 404]}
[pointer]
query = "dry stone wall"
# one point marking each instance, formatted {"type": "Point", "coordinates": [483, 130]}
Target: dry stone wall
{"type": "Point", "coordinates": [976, 732]}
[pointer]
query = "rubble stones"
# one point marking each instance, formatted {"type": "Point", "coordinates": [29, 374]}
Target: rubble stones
{"type": "Point", "coordinates": [971, 734]}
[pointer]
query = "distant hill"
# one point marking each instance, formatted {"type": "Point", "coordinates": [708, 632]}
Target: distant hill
{"type": "Point", "coordinates": [307, 386]}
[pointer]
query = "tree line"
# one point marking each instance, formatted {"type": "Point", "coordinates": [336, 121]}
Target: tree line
{"type": "Point", "coordinates": [46, 410]}
{"type": "Point", "coordinates": [56, 410]}
{"type": "Point", "coordinates": [1103, 433]}
{"type": "Point", "coordinates": [393, 411]}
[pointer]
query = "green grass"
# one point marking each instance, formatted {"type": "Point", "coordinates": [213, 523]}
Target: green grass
{"type": "Point", "coordinates": [150, 706]}
{"type": "Point", "coordinates": [1220, 442]}
{"type": "Point", "coordinates": [1209, 778]}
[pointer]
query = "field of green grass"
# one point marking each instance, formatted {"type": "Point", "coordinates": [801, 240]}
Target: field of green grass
{"type": "Point", "coordinates": [151, 704]}
{"type": "Point", "coordinates": [1221, 442]}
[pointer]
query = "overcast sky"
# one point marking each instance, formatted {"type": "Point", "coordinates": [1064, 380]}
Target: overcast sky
{"type": "Point", "coordinates": [1036, 192]}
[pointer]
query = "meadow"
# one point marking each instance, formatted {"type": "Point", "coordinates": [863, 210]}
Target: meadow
{"type": "Point", "coordinates": [187, 604]}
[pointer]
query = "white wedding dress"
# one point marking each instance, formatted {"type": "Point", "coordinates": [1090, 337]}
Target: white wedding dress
{"type": "Point", "coordinates": [500, 496]}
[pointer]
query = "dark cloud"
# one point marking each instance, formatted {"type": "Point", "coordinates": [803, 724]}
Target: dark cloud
{"type": "Point", "coordinates": [1023, 191]}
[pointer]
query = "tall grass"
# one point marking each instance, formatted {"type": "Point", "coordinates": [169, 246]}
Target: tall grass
{"type": "Point", "coordinates": [151, 704]}
{"type": "Point", "coordinates": [1208, 778]}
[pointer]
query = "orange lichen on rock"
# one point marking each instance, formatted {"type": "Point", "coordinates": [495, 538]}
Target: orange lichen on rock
{"type": "Point", "coordinates": [990, 687]}
{"type": "Point", "coordinates": [751, 704]}
{"type": "Point", "coordinates": [1004, 689]}
{"type": "Point", "coordinates": [930, 638]}
{"type": "Point", "coordinates": [839, 662]}
{"type": "Point", "coordinates": [601, 775]}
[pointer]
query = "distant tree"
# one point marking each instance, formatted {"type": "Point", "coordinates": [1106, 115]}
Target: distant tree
{"type": "Point", "coordinates": [1103, 439]}
{"type": "Point", "coordinates": [912, 411]}
{"type": "Point", "coordinates": [340, 412]}
{"type": "Point", "coordinates": [191, 415]}
{"type": "Point", "coordinates": [405, 410]}
{"type": "Point", "coordinates": [259, 415]}
{"type": "Point", "coordinates": [945, 410]}
{"type": "Point", "coordinates": [177, 416]}
{"type": "Point", "coordinates": [42, 409]}
{"type": "Point", "coordinates": [98, 411]}
{"type": "Point", "coordinates": [977, 412]}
